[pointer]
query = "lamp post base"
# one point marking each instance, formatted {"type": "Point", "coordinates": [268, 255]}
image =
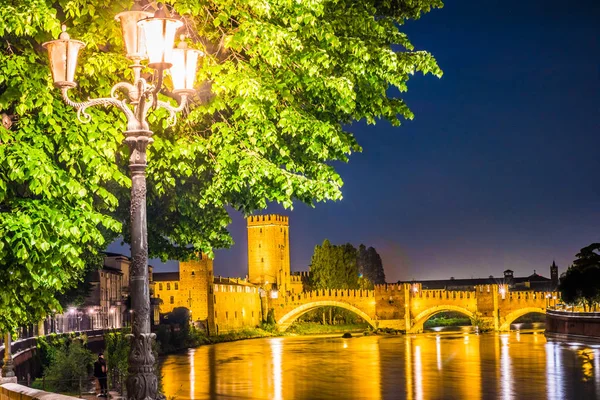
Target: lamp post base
{"type": "Point", "coordinates": [142, 383]}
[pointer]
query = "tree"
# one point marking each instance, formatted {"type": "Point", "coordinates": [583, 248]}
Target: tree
{"type": "Point", "coordinates": [370, 267]}
{"type": "Point", "coordinates": [284, 78]}
{"type": "Point", "coordinates": [76, 293]}
{"type": "Point", "coordinates": [334, 267]}
{"type": "Point", "coordinates": [70, 367]}
{"type": "Point", "coordinates": [580, 284]}
{"type": "Point", "coordinates": [179, 316]}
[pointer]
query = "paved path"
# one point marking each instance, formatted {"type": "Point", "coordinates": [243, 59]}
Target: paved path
{"type": "Point", "coordinates": [111, 395]}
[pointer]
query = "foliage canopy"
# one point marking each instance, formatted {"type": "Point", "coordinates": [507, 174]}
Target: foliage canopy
{"type": "Point", "coordinates": [580, 284]}
{"type": "Point", "coordinates": [280, 80]}
{"type": "Point", "coordinates": [345, 267]}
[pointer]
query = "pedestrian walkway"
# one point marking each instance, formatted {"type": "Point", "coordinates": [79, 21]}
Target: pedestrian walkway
{"type": "Point", "coordinates": [111, 395]}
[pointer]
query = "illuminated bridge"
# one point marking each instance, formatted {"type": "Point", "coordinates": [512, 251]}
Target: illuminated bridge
{"type": "Point", "coordinates": [406, 306]}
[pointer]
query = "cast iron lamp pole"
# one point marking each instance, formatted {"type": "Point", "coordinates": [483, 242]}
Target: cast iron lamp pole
{"type": "Point", "coordinates": [149, 36]}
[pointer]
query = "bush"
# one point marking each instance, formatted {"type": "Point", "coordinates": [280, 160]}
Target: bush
{"type": "Point", "coordinates": [481, 324]}
{"type": "Point", "coordinates": [117, 352]}
{"type": "Point", "coordinates": [71, 364]}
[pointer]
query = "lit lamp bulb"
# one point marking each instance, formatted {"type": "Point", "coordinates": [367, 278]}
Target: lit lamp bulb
{"type": "Point", "coordinates": [63, 54]}
{"type": "Point", "coordinates": [183, 71]}
{"type": "Point", "coordinates": [159, 32]}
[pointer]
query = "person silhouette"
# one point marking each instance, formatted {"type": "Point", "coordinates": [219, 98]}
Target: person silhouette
{"type": "Point", "coordinates": [100, 372]}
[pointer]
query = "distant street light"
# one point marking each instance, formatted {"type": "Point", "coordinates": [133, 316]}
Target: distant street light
{"type": "Point", "coordinates": [146, 36]}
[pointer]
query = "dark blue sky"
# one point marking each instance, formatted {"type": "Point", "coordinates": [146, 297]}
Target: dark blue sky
{"type": "Point", "coordinates": [499, 169]}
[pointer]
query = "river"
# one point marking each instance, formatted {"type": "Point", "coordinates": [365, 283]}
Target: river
{"type": "Point", "coordinates": [432, 365]}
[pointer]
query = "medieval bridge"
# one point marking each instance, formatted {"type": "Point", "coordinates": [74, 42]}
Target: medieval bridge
{"type": "Point", "coordinates": [407, 306]}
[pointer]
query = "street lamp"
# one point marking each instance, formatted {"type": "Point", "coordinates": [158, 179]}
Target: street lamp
{"type": "Point", "coordinates": [146, 36]}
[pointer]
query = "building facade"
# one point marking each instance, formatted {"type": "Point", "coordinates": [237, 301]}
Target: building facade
{"type": "Point", "coordinates": [105, 306]}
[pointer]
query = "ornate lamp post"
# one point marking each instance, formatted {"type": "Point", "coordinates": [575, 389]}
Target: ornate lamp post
{"type": "Point", "coordinates": [146, 36]}
{"type": "Point", "coordinates": [8, 369]}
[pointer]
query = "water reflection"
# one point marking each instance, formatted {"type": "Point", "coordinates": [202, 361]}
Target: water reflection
{"type": "Point", "coordinates": [426, 366]}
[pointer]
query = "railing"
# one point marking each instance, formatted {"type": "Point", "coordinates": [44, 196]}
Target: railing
{"type": "Point", "coordinates": [27, 344]}
{"type": "Point", "coordinates": [573, 314]}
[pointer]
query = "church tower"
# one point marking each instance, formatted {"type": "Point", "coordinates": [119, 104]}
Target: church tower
{"type": "Point", "coordinates": [554, 275]}
{"type": "Point", "coordinates": [269, 252]}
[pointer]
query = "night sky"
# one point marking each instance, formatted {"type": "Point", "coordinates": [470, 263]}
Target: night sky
{"type": "Point", "coordinates": [499, 169]}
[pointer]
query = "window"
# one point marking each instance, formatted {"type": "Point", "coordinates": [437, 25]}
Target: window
{"type": "Point", "coordinates": [176, 286]}
{"type": "Point", "coordinates": [252, 314]}
{"type": "Point", "coordinates": [260, 230]}
{"type": "Point", "coordinates": [193, 273]}
{"type": "Point", "coordinates": [259, 245]}
{"type": "Point", "coordinates": [262, 259]}
{"type": "Point", "coordinates": [168, 285]}
{"type": "Point", "coordinates": [215, 299]}
{"type": "Point", "coordinates": [172, 300]}
{"type": "Point", "coordinates": [226, 314]}
{"type": "Point", "coordinates": [160, 286]}
{"type": "Point", "coordinates": [158, 295]}
{"type": "Point", "coordinates": [236, 314]}
{"type": "Point", "coordinates": [215, 314]}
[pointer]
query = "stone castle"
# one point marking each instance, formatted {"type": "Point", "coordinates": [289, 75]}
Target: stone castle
{"type": "Point", "coordinates": [222, 305]}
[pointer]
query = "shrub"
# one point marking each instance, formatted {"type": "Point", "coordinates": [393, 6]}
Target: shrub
{"type": "Point", "coordinates": [117, 352]}
{"type": "Point", "coordinates": [71, 364]}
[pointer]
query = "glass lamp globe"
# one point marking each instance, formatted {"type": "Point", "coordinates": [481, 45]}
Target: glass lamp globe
{"type": "Point", "coordinates": [183, 71]}
{"type": "Point", "coordinates": [133, 34]}
{"type": "Point", "coordinates": [63, 54]}
{"type": "Point", "coordinates": [159, 32]}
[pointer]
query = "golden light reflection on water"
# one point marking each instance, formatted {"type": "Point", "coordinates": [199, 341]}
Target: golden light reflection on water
{"type": "Point", "coordinates": [418, 367]}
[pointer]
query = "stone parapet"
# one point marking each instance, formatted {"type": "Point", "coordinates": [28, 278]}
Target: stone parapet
{"type": "Point", "coordinates": [13, 391]}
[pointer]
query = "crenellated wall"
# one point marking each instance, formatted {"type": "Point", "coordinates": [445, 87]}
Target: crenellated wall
{"type": "Point", "coordinates": [299, 281]}
{"type": "Point", "coordinates": [407, 306]}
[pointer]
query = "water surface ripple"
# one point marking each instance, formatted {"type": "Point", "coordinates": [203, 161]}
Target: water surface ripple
{"type": "Point", "coordinates": [458, 365]}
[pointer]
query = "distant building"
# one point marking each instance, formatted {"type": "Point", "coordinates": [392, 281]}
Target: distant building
{"type": "Point", "coordinates": [105, 306]}
{"type": "Point", "coordinates": [531, 282]}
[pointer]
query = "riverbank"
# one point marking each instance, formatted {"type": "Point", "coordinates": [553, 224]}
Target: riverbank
{"type": "Point", "coordinates": [315, 328]}
{"type": "Point", "coordinates": [196, 338]}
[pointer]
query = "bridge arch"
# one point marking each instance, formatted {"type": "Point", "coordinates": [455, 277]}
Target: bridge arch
{"type": "Point", "coordinates": [423, 316]}
{"type": "Point", "coordinates": [510, 318]}
{"type": "Point", "coordinates": [286, 320]}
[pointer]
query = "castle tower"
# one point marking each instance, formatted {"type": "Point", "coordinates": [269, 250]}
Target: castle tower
{"type": "Point", "coordinates": [195, 288]}
{"type": "Point", "coordinates": [269, 251]}
{"type": "Point", "coordinates": [554, 275]}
